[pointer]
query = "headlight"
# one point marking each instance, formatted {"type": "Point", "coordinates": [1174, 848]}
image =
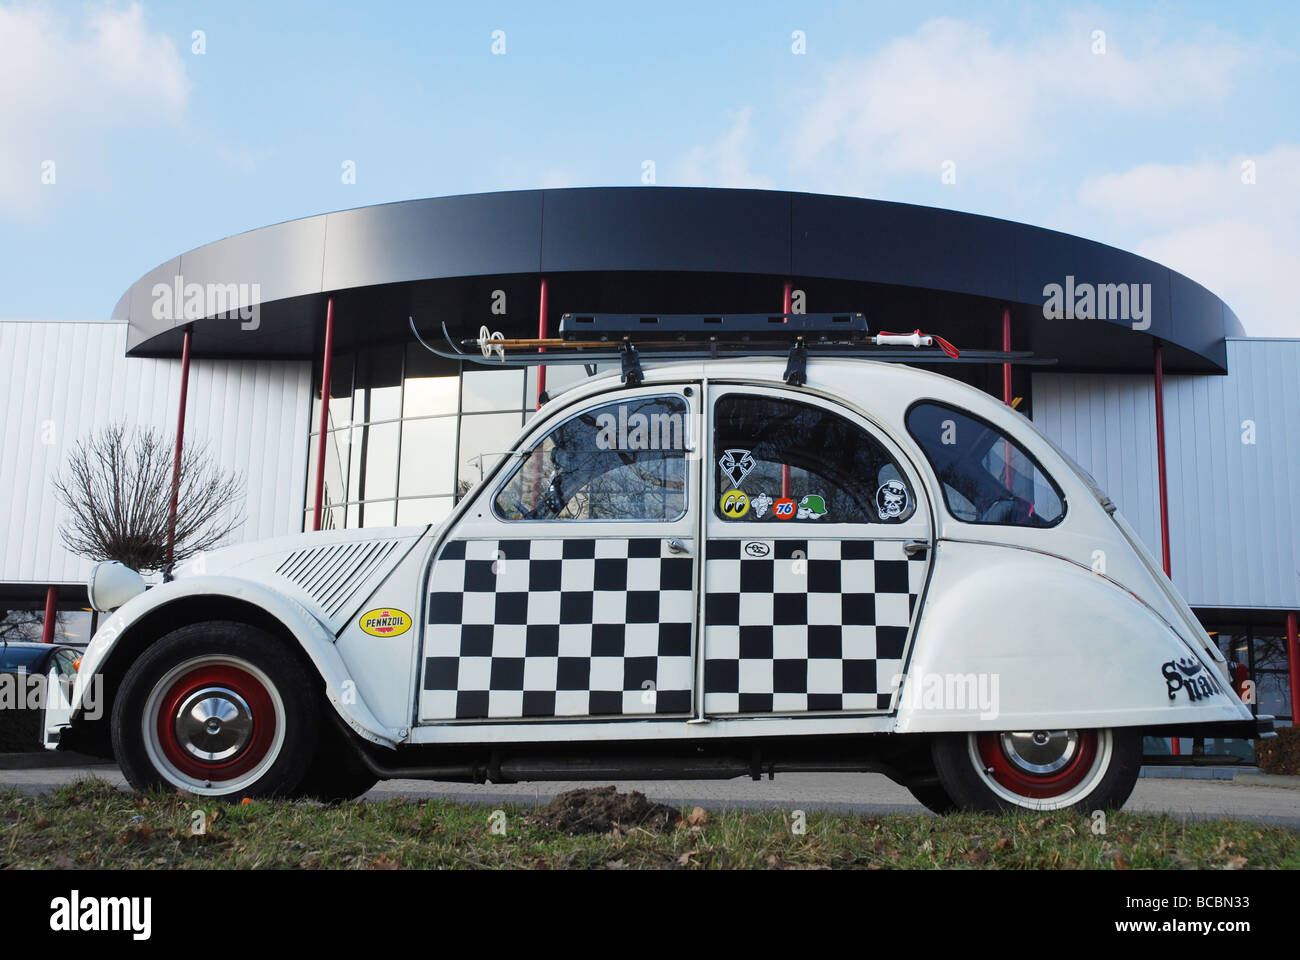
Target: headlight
{"type": "Point", "coordinates": [112, 584]}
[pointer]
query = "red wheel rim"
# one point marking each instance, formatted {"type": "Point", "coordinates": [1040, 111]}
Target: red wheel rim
{"type": "Point", "coordinates": [260, 706]}
{"type": "Point", "coordinates": [1032, 785]}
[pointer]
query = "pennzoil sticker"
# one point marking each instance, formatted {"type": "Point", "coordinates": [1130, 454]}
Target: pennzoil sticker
{"type": "Point", "coordinates": [385, 622]}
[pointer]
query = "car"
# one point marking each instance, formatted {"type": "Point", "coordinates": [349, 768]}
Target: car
{"type": "Point", "coordinates": [775, 556]}
{"type": "Point", "coordinates": [36, 686]}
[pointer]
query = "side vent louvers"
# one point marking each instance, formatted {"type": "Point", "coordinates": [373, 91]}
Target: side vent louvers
{"type": "Point", "coordinates": [330, 575]}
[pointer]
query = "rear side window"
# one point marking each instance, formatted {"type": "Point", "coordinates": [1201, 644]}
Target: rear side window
{"type": "Point", "coordinates": [985, 475]}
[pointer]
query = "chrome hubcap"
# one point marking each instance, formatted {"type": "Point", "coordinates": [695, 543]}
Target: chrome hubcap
{"type": "Point", "coordinates": [1040, 752]}
{"type": "Point", "coordinates": [214, 724]}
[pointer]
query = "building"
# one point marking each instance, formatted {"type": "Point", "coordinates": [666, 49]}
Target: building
{"type": "Point", "coordinates": [1188, 424]}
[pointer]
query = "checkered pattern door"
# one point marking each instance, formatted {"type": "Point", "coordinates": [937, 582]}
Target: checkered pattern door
{"type": "Point", "coordinates": [795, 626]}
{"type": "Point", "coordinates": [571, 627]}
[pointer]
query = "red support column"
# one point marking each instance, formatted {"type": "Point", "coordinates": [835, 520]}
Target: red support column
{"type": "Point", "coordinates": [787, 300]}
{"type": "Point", "coordinates": [1006, 348]}
{"type": "Point", "coordinates": [180, 443]}
{"type": "Point", "coordinates": [51, 613]}
{"type": "Point", "coordinates": [327, 364]}
{"type": "Point", "coordinates": [1293, 663]}
{"type": "Point", "coordinates": [541, 335]}
{"type": "Point", "coordinates": [1160, 459]}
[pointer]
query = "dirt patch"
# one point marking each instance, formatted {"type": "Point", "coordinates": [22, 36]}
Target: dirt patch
{"type": "Point", "coordinates": [603, 809]}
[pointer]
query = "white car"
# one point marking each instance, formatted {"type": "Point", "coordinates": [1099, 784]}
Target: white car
{"type": "Point", "coordinates": [709, 573]}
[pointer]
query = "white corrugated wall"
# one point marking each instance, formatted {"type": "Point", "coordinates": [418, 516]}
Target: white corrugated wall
{"type": "Point", "coordinates": [61, 381]}
{"type": "Point", "coordinates": [1234, 523]}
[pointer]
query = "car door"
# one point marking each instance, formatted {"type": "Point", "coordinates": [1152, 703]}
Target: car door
{"type": "Point", "coordinates": [816, 556]}
{"type": "Point", "coordinates": [568, 588]}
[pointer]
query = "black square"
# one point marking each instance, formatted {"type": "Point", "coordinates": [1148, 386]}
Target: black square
{"type": "Point", "coordinates": [643, 606]}
{"type": "Point", "coordinates": [453, 550]}
{"type": "Point", "coordinates": [676, 573]}
{"type": "Point", "coordinates": [514, 549]}
{"type": "Point", "coordinates": [890, 642]}
{"type": "Point", "coordinates": [672, 701]}
{"type": "Point", "coordinates": [539, 703]}
{"type": "Point", "coordinates": [756, 576]}
{"type": "Point", "coordinates": [857, 550]}
{"type": "Point", "coordinates": [640, 671]}
{"type": "Point", "coordinates": [859, 676]}
{"type": "Point", "coordinates": [674, 639]}
{"type": "Point", "coordinates": [791, 550]}
{"type": "Point", "coordinates": [441, 673]}
{"type": "Point", "coordinates": [857, 609]}
{"type": "Point", "coordinates": [446, 607]}
{"type": "Point", "coordinates": [471, 703]}
{"type": "Point", "coordinates": [724, 549]}
{"type": "Point", "coordinates": [823, 576]}
{"type": "Point", "coordinates": [480, 576]}
{"type": "Point", "coordinates": [573, 673]}
{"type": "Point", "coordinates": [755, 703]}
{"type": "Point", "coordinates": [575, 607]}
{"type": "Point", "coordinates": [790, 676]}
{"type": "Point", "coordinates": [607, 639]}
{"type": "Point", "coordinates": [722, 676]}
{"type": "Point", "coordinates": [611, 574]}
{"type": "Point", "coordinates": [722, 609]}
{"type": "Point", "coordinates": [606, 702]}
{"type": "Point", "coordinates": [825, 701]}
{"type": "Point", "coordinates": [643, 549]}
{"type": "Point", "coordinates": [512, 608]}
{"type": "Point", "coordinates": [542, 640]}
{"type": "Point", "coordinates": [544, 575]}
{"type": "Point", "coordinates": [891, 576]}
{"type": "Point", "coordinates": [790, 608]}
{"type": "Point", "coordinates": [756, 643]}
{"type": "Point", "coordinates": [825, 643]}
{"type": "Point", "coordinates": [579, 549]}
{"type": "Point", "coordinates": [507, 673]}
{"type": "Point", "coordinates": [476, 640]}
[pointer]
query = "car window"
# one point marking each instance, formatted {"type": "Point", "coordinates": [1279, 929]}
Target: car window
{"type": "Point", "coordinates": [624, 460]}
{"type": "Point", "coordinates": [986, 476]}
{"type": "Point", "coordinates": [777, 459]}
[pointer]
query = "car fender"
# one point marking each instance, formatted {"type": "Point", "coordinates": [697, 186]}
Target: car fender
{"type": "Point", "coordinates": [316, 641]}
{"type": "Point", "coordinates": [1013, 639]}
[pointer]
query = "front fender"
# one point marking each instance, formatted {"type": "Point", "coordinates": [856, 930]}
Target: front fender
{"type": "Point", "coordinates": [316, 641]}
{"type": "Point", "coordinates": [1012, 639]}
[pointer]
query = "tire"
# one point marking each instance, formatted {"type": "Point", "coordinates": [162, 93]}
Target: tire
{"type": "Point", "coordinates": [335, 774]}
{"type": "Point", "coordinates": [1083, 770]}
{"type": "Point", "coordinates": [934, 797]}
{"type": "Point", "coordinates": [258, 699]}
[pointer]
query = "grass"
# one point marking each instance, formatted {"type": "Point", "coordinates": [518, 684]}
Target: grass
{"type": "Point", "coordinates": [93, 825]}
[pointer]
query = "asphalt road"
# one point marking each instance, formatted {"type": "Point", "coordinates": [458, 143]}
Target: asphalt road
{"type": "Point", "coordinates": [839, 792]}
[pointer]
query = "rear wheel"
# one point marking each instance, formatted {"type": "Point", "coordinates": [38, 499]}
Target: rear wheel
{"type": "Point", "coordinates": [218, 709]}
{"type": "Point", "coordinates": [1039, 769]}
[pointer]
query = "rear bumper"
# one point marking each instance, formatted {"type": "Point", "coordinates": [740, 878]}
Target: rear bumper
{"type": "Point", "coordinates": [1256, 728]}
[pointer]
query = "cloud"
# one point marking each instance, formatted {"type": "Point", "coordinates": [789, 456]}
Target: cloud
{"type": "Point", "coordinates": [1203, 219]}
{"type": "Point", "coordinates": [723, 163]}
{"type": "Point", "coordinates": [951, 91]}
{"type": "Point", "coordinates": [65, 86]}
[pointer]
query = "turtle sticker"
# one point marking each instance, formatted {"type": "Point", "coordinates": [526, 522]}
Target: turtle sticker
{"type": "Point", "coordinates": [783, 509]}
{"type": "Point", "coordinates": [811, 507]}
{"type": "Point", "coordinates": [735, 504]}
{"type": "Point", "coordinates": [760, 504]}
{"type": "Point", "coordinates": [736, 465]}
{"type": "Point", "coordinates": [891, 500]}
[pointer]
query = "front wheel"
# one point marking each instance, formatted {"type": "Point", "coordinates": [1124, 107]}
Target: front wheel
{"type": "Point", "coordinates": [1039, 769]}
{"type": "Point", "coordinates": [218, 709]}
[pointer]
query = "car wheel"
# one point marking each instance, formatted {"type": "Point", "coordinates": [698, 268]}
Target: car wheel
{"type": "Point", "coordinates": [1039, 769]}
{"type": "Point", "coordinates": [218, 709]}
{"type": "Point", "coordinates": [934, 797]}
{"type": "Point", "coordinates": [335, 774]}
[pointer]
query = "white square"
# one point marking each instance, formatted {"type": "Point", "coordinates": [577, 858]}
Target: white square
{"type": "Point", "coordinates": [438, 705]}
{"type": "Point", "coordinates": [478, 608]}
{"type": "Point", "coordinates": [611, 549]}
{"type": "Point", "coordinates": [824, 549]}
{"type": "Point", "coordinates": [790, 576]}
{"type": "Point", "coordinates": [572, 703]}
{"type": "Point", "coordinates": [723, 576]}
{"type": "Point", "coordinates": [676, 606]}
{"type": "Point", "coordinates": [509, 640]}
{"type": "Point", "coordinates": [675, 673]}
{"type": "Point", "coordinates": [540, 673]}
{"type": "Point", "coordinates": [825, 676]}
{"type": "Point", "coordinates": [721, 703]}
{"type": "Point", "coordinates": [443, 640]}
{"type": "Point", "coordinates": [546, 550]}
{"type": "Point", "coordinates": [641, 640]}
{"type": "Point", "coordinates": [790, 642]}
{"type": "Point", "coordinates": [858, 642]}
{"type": "Point", "coordinates": [888, 673]}
{"type": "Point", "coordinates": [544, 607]}
{"type": "Point", "coordinates": [756, 676]}
{"type": "Point", "coordinates": [481, 549]}
{"type": "Point", "coordinates": [859, 702]}
{"type": "Point", "coordinates": [475, 673]}
{"type": "Point", "coordinates": [449, 576]}
{"type": "Point", "coordinates": [790, 703]}
{"type": "Point", "coordinates": [634, 701]}
{"type": "Point", "coordinates": [506, 703]}
{"type": "Point", "coordinates": [722, 643]}
{"type": "Point", "coordinates": [606, 673]}
{"type": "Point", "coordinates": [643, 573]}
{"type": "Point", "coordinates": [915, 575]}
{"type": "Point", "coordinates": [609, 606]}
{"type": "Point", "coordinates": [858, 576]}
{"type": "Point", "coordinates": [577, 576]}
{"type": "Point", "coordinates": [575, 640]}
{"type": "Point", "coordinates": [891, 610]}
{"type": "Point", "coordinates": [824, 609]}
{"type": "Point", "coordinates": [755, 609]}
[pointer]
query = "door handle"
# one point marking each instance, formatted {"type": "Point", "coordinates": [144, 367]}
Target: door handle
{"type": "Point", "coordinates": [677, 545]}
{"type": "Point", "coordinates": [913, 547]}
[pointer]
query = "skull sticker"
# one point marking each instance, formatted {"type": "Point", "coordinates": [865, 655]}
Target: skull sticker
{"type": "Point", "coordinates": [891, 500]}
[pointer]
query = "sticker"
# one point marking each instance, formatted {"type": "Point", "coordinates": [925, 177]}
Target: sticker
{"type": "Point", "coordinates": [385, 622]}
{"type": "Point", "coordinates": [891, 499]}
{"type": "Point", "coordinates": [812, 507]}
{"type": "Point", "coordinates": [760, 504]}
{"type": "Point", "coordinates": [736, 465]}
{"type": "Point", "coordinates": [783, 509]}
{"type": "Point", "coordinates": [1181, 674]}
{"type": "Point", "coordinates": [735, 504]}
{"type": "Point", "coordinates": [757, 548]}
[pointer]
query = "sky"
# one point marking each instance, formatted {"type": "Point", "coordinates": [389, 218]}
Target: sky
{"type": "Point", "coordinates": [131, 132]}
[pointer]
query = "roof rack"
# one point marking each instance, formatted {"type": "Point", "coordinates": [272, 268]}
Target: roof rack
{"type": "Point", "coordinates": [592, 338]}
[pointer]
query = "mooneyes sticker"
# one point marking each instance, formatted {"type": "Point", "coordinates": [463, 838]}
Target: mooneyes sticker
{"type": "Point", "coordinates": [891, 500]}
{"type": "Point", "coordinates": [783, 509]}
{"type": "Point", "coordinates": [385, 622]}
{"type": "Point", "coordinates": [735, 504]}
{"type": "Point", "coordinates": [736, 465]}
{"type": "Point", "coordinates": [811, 507]}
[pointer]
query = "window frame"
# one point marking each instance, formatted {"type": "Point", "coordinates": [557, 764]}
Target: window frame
{"type": "Point", "coordinates": [603, 399]}
{"type": "Point", "coordinates": [1025, 452]}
